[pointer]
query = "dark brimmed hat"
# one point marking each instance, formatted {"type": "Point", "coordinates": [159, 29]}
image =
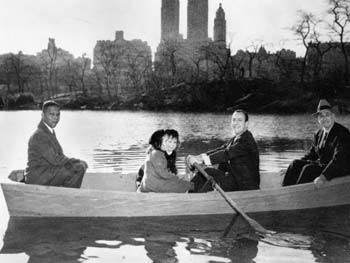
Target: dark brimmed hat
{"type": "Point", "coordinates": [323, 105]}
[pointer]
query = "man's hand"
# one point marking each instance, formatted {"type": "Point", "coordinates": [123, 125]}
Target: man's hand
{"type": "Point", "coordinates": [80, 165]}
{"type": "Point", "coordinates": [319, 181]}
{"type": "Point", "coordinates": [192, 159]}
{"type": "Point", "coordinates": [84, 164]}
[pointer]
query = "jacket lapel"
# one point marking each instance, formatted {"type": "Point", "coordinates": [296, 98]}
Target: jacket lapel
{"type": "Point", "coordinates": [52, 137]}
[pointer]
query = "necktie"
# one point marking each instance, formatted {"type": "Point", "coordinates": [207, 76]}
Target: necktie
{"type": "Point", "coordinates": [324, 138]}
{"type": "Point", "coordinates": [53, 132]}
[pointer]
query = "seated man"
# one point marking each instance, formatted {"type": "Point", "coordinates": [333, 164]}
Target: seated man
{"type": "Point", "coordinates": [329, 155]}
{"type": "Point", "coordinates": [238, 160]}
{"type": "Point", "coordinates": [47, 165]}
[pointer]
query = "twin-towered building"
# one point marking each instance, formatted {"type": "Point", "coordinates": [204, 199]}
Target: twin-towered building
{"type": "Point", "coordinates": [170, 17]}
{"type": "Point", "coordinates": [122, 65]}
{"type": "Point", "coordinates": [197, 21]}
{"type": "Point", "coordinates": [197, 55]}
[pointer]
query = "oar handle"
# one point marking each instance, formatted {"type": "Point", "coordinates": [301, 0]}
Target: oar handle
{"type": "Point", "coordinates": [251, 221]}
{"type": "Point", "coordinates": [218, 188]}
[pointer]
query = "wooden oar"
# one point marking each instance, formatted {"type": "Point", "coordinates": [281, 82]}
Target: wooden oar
{"type": "Point", "coordinates": [255, 225]}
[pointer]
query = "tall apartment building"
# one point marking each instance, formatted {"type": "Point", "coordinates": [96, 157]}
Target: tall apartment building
{"type": "Point", "coordinates": [197, 20]}
{"type": "Point", "coordinates": [220, 26]}
{"type": "Point", "coordinates": [122, 64]}
{"type": "Point", "coordinates": [170, 19]}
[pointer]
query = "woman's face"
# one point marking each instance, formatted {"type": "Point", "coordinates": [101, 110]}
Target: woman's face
{"type": "Point", "coordinates": [169, 144]}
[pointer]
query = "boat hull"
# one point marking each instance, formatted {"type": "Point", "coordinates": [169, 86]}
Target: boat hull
{"type": "Point", "coordinates": [326, 219]}
{"type": "Point", "coordinates": [45, 201]}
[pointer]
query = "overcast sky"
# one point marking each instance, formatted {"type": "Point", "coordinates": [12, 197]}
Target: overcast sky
{"type": "Point", "coordinates": [76, 25]}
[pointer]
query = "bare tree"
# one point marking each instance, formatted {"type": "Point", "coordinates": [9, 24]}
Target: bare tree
{"type": "Point", "coordinates": [52, 67]}
{"type": "Point", "coordinates": [237, 63]}
{"type": "Point", "coordinates": [285, 65]}
{"type": "Point", "coordinates": [340, 10]}
{"type": "Point", "coordinates": [138, 65]}
{"type": "Point", "coordinates": [68, 75]}
{"type": "Point", "coordinates": [196, 59]}
{"type": "Point", "coordinates": [321, 49]}
{"type": "Point", "coordinates": [108, 63]}
{"type": "Point", "coordinates": [96, 78]}
{"type": "Point", "coordinates": [49, 64]}
{"type": "Point", "coordinates": [170, 53]}
{"type": "Point", "coordinates": [6, 75]}
{"type": "Point", "coordinates": [220, 57]}
{"type": "Point", "coordinates": [303, 29]}
{"type": "Point", "coordinates": [22, 69]}
{"type": "Point", "coordinates": [262, 56]}
{"type": "Point", "coordinates": [82, 67]}
{"type": "Point", "coordinates": [252, 52]}
{"type": "Point", "coordinates": [16, 61]}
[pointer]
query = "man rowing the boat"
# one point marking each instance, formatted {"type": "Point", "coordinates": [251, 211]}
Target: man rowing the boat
{"type": "Point", "coordinates": [237, 160]}
{"type": "Point", "coordinates": [329, 155]}
{"type": "Point", "coordinates": [47, 165]}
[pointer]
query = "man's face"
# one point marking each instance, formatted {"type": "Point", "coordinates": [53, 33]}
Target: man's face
{"type": "Point", "coordinates": [326, 118]}
{"type": "Point", "coordinates": [51, 116]}
{"type": "Point", "coordinates": [238, 123]}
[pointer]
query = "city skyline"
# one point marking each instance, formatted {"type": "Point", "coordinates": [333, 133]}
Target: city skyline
{"type": "Point", "coordinates": [76, 25]}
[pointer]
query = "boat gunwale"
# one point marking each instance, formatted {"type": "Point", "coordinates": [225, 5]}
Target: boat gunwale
{"type": "Point", "coordinates": [259, 192]}
{"type": "Point", "coordinates": [264, 200]}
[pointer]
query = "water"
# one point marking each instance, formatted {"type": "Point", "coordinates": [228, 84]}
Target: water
{"type": "Point", "coordinates": [116, 142]}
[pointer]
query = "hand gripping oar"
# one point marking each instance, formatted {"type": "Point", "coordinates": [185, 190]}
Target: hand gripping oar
{"type": "Point", "coordinates": [255, 225]}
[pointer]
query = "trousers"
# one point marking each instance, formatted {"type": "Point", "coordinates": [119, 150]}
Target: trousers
{"type": "Point", "coordinates": [226, 181]}
{"type": "Point", "coordinates": [70, 175]}
{"type": "Point", "coordinates": [302, 171]}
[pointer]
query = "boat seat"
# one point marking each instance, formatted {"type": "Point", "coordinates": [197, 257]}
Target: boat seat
{"type": "Point", "coordinates": [100, 181]}
{"type": "Point", "coordinates": [110, 182]}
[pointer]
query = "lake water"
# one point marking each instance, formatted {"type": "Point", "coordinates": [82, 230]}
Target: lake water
{"type": "Point", "coordinates": [116, 142]}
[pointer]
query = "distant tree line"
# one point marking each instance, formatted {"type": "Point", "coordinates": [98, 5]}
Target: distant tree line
{"type": "Point", "coordinates": [123, 70]}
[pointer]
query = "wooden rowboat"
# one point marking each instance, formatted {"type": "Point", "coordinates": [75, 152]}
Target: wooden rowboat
{"type": "Point", "coordinates": [113, 195]}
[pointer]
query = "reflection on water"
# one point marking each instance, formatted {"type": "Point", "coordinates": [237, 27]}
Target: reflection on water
{"type": "Point", "coordinates": [102, 240]}
{"type": "Point", "coordinates": [116, 141]}
{"type": "Point", "coordinates": [105, 240]}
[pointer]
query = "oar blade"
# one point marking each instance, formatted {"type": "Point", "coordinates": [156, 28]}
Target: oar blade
{"type": "Point", "coordinates": [255, 225]}
{"type": "Point", "coordinates": [258, 228]}
{"type": "Point", "coordinates": [288, 240]}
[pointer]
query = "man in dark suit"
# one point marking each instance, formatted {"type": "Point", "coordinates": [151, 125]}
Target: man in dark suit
{"type": "Point", "coordinates": [237, 160]}
{"type": "Point", "coordinates": [47, 165]}
{"type": "Point", "coordinates": [329, 156]}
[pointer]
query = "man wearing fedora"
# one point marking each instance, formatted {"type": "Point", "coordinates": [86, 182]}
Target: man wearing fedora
{"type": "Point", "coordinates": [329, 155]}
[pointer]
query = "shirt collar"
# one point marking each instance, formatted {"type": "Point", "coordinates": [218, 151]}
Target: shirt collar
{"type": "Point", "coordinates": [324, 129]}
{"type": "Point", "coordinates": [239, 135]}
{"type": "Point", "coordinates": [47, 126]}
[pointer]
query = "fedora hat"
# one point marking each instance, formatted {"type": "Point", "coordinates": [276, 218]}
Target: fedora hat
{"type": "Point", "coordinates": [323, 105]}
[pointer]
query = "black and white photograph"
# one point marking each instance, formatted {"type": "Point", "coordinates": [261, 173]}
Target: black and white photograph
{"type": "Point", "coordinates": [175, 131]}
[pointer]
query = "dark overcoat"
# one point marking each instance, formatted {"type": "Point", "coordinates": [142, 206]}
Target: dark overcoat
{"type": "Point", "coordinates": [158, 178]}
{"type": "Point", "coordinates": [45, 157]}
{"type": "Point", "coordinates": [239, 157]}
{"type": "Point", "coordinates": [334, 154]}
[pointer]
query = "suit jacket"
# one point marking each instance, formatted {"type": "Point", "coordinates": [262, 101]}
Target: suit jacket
{"type": "Point", "coordinates": [334, 155]}
{"type": "Point", "coordinates": [239, 157]}
{"type": "Point", "coordinates": [45, 156]}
